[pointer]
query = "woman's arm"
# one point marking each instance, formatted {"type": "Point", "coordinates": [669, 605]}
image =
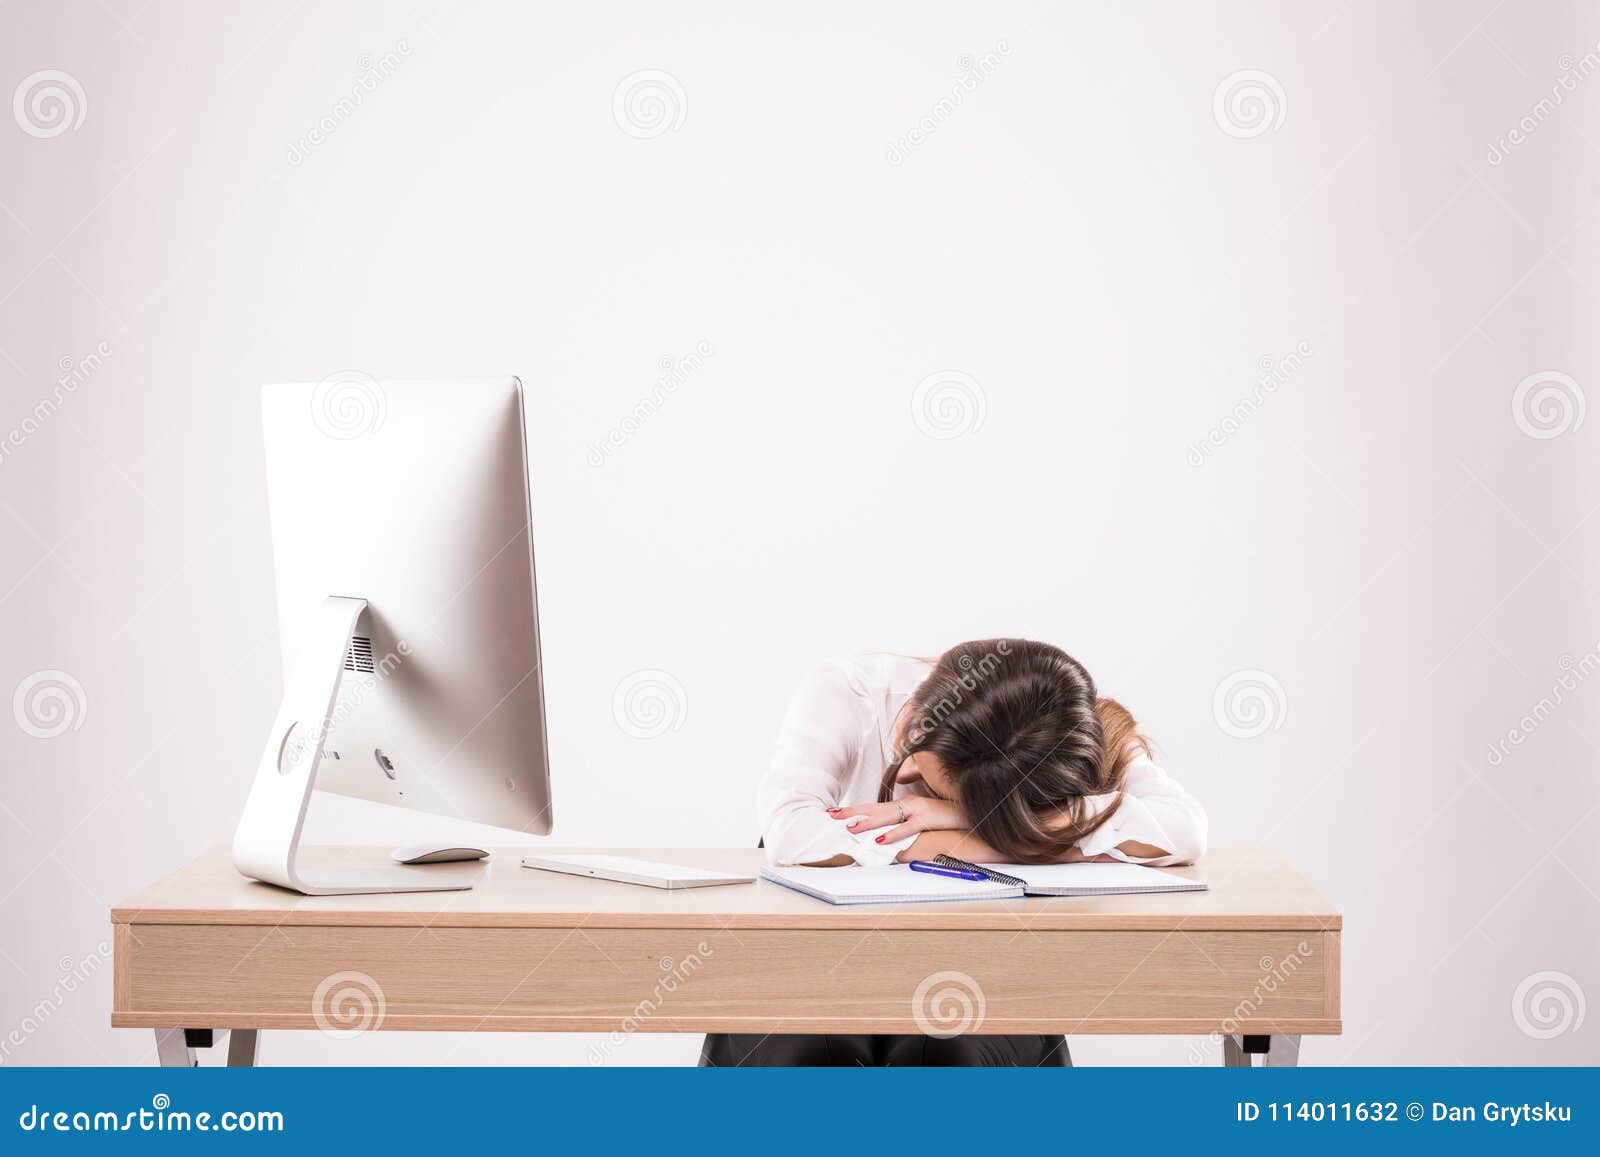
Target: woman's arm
{"type": "Point", "coordinates": [968, 847]}
{"type": "Point", "coordinates": [941, 826]}
{"type": "Point", "coordinates": [1159, 823]}
{"type": "Point", "coordinates": [961, 845]}
{"type": "Point", "coordinates": [816, 746]}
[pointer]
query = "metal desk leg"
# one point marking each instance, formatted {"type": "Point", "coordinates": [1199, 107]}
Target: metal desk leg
{"type": "Point", "coordinates": [176, 1046]}
{"type": "Point", "coordinates": [1281, 1051]}
{"type": "Point", "coordinates": [244, 1047]}
{"type": "Point", "coordinates": [1284, 1053]}
{"type": "Point", "coordinates": [172, 1047]}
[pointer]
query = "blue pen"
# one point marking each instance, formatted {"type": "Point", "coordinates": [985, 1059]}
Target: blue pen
{"type": "Point", "coordinates": [933, 869]}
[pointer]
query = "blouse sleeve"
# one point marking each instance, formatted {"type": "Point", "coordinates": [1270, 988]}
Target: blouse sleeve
{"type": "Point", "coordinates": [1158, 812]}
{"type": "Point", "coordinates": [820, 739]}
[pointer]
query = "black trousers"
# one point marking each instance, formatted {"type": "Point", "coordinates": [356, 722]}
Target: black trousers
{"type": "Point", "coordinates": [732, 1050]}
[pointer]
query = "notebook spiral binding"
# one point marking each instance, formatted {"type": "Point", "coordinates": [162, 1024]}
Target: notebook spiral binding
{"type": "Point", "coordinates": [988, 873]}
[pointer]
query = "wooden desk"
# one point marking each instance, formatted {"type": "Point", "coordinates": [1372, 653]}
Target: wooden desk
{"type": "Point", "coordinates": [1255, 959]}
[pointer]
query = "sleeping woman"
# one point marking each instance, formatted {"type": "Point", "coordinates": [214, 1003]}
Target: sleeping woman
{"type": "Point", "coordinates": [999, 750]}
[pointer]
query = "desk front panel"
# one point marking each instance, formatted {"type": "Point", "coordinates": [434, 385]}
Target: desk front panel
{"type": "Point", "coordinates": [729, 980]}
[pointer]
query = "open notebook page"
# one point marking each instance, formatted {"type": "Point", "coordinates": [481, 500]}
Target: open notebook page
{"type": "Point", "coordinates": [1095, 879]}
{"type": "Point", "coordinates": [891, 884]}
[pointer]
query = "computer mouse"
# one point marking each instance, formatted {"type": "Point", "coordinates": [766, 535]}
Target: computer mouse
{"type": "Point", "coordinates": [436, 854]}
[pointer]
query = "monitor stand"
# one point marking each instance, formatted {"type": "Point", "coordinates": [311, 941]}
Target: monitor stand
{"type": "Point", "coordinates": [268, 837]}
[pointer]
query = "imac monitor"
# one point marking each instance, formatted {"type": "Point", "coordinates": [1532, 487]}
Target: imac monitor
{"type": "Point", "coordinates": [408, 616]}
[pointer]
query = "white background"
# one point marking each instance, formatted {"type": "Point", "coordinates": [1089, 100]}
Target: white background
{"type": "Point", "coordinates": [1082, 236]}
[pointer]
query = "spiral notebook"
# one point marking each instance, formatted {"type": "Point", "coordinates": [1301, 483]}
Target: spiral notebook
{"type": "Point", "coordinates": [1079, 879]}
{"type": "Point", "coordinates": [898, 884]}
{"type": "Point", "coordinates": [892, 884]}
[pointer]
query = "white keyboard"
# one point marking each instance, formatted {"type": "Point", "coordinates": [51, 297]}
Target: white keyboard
{"type": "Point", "coordinates": [625, 870]}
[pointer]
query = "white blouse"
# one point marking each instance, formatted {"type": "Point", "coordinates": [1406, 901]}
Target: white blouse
{"type": "Point", "coordinates": [837, 740]}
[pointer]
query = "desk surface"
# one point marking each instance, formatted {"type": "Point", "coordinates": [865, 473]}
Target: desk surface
{"type": "Point", "coordinates": [526, 950]}
{"type": "Point", "coordinates": [1250, 888]}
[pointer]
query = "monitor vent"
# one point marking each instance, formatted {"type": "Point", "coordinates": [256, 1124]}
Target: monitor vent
{"type": "Point", "coordinates": [359, 655]}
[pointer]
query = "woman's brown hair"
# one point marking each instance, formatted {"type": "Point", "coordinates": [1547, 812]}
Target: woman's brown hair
{"type": "Point", "coordinates": [1025, 739]}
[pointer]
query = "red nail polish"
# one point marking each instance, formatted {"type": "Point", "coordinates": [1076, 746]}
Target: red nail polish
{"type": "Point", "coordinates": [883, 837]}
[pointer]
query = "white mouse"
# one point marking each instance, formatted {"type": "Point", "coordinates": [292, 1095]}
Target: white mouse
{"type": "Point", "coordinates": [436, 854]}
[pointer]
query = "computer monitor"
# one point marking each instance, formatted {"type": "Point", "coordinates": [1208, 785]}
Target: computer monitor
{"type": "Point", "coordinates": [408, 617]}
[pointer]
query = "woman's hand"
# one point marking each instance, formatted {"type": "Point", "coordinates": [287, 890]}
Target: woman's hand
{"type": "Point", "coordinates": [904, 817]}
